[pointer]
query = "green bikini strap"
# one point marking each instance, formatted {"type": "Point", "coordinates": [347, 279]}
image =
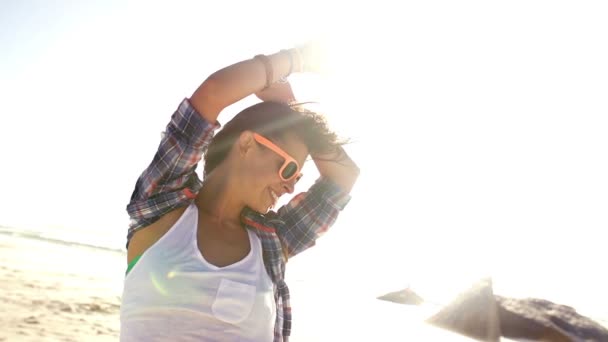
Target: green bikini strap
{"type": "Point", "coordinates": [132, 263]}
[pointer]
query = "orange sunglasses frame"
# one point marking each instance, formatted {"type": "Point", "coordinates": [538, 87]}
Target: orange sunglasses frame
{"type": "Point", "coordinates": [288, 159]}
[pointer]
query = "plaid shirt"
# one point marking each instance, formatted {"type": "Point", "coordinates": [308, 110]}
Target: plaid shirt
{"type": "Point", "coordinates": [170, 182]}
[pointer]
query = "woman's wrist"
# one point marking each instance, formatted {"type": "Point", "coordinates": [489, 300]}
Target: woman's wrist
{"type": "Point", "coordinates": [280, 65]}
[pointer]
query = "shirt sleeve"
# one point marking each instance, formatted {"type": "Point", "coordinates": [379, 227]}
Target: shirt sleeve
{"type": "Point", "coordinates": [309, 215]}
{"type": "Point", "coordinates": [170, 181]}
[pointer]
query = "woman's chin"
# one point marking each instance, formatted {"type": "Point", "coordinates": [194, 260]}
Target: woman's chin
{"type": "Point", "coordinates": [262, 206]}
{"type": "Point", "coordinates": [261, 209]}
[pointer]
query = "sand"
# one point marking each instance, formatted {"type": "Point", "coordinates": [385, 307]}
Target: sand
{"type": "Point", "coordinates": [58, 292]}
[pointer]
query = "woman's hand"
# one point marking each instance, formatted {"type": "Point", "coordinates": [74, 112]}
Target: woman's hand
{"type": "Point", "coordinates": [313, 56]}
{"type": "Point", "coordinates": [277, 92]}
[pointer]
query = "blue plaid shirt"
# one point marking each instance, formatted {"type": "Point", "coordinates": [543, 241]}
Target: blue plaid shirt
{"type": "Point", "coordinates": [170, 182]}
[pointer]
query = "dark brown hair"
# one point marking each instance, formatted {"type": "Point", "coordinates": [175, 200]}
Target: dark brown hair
{"type": "Point", "coordinates": [273, 120]}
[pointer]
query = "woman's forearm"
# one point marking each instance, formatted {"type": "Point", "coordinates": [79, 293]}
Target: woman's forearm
{"type": "Point", "coordinates": [338, 167]}
{"type": "Point", "coordinates": [237, 81]}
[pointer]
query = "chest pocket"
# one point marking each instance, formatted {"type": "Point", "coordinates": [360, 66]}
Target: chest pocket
{"type": "Point", "coordinates": [233, 301]}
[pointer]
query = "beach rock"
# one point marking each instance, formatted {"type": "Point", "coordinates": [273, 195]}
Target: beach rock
{"type": "Point", "coordinates": [405, 296]}
{"type": "Point", "coordinates": [480, 314]}
{"type": "Point", "coordinates": [540, 319]}
{"type": "Point", "coordinates": [473, 313]}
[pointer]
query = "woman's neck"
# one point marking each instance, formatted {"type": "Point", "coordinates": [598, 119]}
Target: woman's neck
{"type": "Point", "coordinates": [216, 198]}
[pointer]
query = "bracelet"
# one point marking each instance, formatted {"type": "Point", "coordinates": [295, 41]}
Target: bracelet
{"type": "Point", "coordinates": [268, 67]}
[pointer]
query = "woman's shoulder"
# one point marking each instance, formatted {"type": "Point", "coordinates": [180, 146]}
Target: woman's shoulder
{"type": "Point", "coordinates": [147, 236]}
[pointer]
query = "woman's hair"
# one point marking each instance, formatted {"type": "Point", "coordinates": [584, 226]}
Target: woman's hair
{"type": "Point", "coordinates": [273, 120]}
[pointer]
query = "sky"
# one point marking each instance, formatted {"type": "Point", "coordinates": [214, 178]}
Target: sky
{"type": "Point", "coordinates": [480, 127]}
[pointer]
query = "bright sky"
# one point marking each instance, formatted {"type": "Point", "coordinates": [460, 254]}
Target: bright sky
{"type": "Point", "coordinates": [480, 127]}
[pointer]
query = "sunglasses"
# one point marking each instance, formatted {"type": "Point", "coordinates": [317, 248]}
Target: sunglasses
{"type": "Point", "coordinates": [290, 168]}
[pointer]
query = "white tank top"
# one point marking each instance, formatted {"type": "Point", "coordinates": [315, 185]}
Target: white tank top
{"type": "Point", "coordinates": [173, 294]}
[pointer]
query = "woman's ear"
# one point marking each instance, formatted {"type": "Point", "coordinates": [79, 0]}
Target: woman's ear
{"type": "Point", "coordinates": [245, 142]}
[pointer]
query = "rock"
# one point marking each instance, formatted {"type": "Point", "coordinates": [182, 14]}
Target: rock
{"type": "Point", "coordinates": [473, 313]}
{"type": "Point", "coordinates": [405, 296]}
{"type": "Point", "coordinates": [480, 314]}
{"type": "Point", "coordinates": [540, 319]}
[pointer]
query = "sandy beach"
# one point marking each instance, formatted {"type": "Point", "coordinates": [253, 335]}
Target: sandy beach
{"type": "Point", "coordinates": [58, 292]}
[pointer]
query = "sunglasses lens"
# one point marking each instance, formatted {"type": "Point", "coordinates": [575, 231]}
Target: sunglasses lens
{"type": "Point", "coordinates": [289, 170]}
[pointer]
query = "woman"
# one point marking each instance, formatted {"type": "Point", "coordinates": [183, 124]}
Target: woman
{"type": "Point", "coordinates": [207, 259]}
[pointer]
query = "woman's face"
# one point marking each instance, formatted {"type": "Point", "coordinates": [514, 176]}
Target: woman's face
{"type": "Point", "coordinates": [262, 184]}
